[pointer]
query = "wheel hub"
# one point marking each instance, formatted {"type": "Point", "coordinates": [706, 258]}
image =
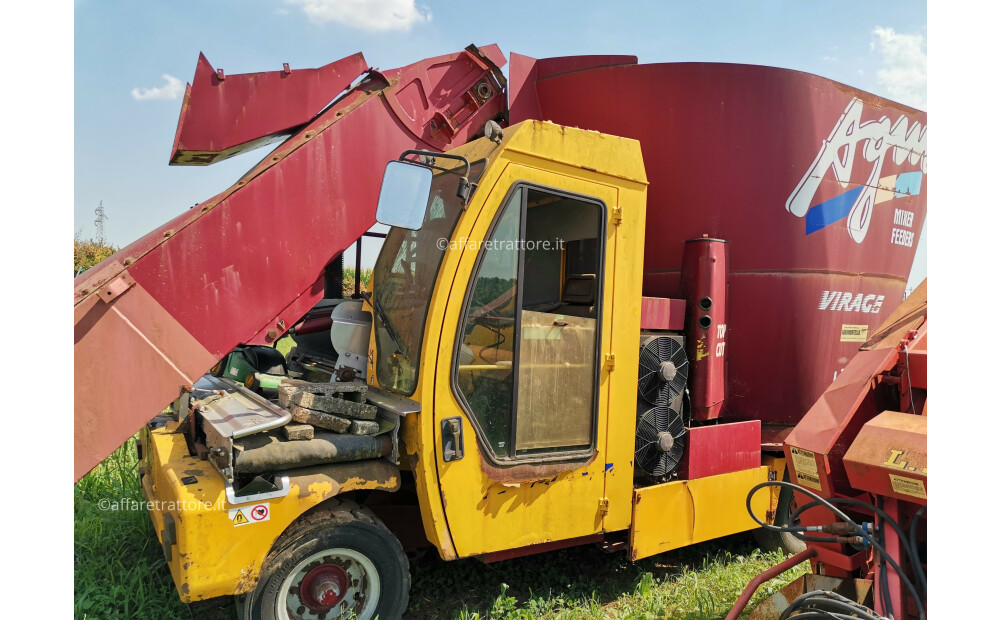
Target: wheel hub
{"type": "Point", "coordinates": [333, 583]}
{"type": "Point", "coordinates": [324, 587]}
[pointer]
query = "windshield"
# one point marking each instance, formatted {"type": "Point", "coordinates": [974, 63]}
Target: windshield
{"type": "Point", "coordinates": [404, 277]}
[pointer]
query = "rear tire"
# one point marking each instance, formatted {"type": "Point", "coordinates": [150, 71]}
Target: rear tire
{"type": "Point", "coordinates": [334, 561]}
{"type": "Point", "coordinates": [785, 542]}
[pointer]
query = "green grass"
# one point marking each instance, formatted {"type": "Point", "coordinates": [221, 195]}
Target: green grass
{"type": "Point", "coordinates": [119, 572]}
{"type": "Point", "coordinates": [700, 582]}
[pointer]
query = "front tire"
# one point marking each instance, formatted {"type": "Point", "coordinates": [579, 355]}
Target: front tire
{"type": "Point", "coordinates": [336, 560]}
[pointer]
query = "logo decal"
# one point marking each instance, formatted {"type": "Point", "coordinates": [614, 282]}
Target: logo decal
{"type": "Point", "coordinates": [877, 139]}
{"type": "Point", "coordinates": [849, 302]}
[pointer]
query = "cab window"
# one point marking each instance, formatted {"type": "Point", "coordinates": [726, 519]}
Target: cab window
{"type": "Point", "coordinates": [526, 366]}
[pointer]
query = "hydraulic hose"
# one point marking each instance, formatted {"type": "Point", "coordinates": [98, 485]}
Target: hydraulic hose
{"type": "Point", "coordinates": [843, 517]}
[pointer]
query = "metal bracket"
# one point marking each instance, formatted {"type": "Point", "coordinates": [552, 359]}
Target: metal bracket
{"type": "Point", "coordinates": [609, 361]}
{"type": "Point", "coordinates": [616, 215]}
{"type": "Point", "coordinates": [115, 287]}
{"type": "Point", "coordinates": [281, 491]}
{"type": "Point", "coordinates": [603, 506]}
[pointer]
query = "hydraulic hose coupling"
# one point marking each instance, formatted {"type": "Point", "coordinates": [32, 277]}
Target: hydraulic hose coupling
{"type": "Point", "coordinates": [846, 529]}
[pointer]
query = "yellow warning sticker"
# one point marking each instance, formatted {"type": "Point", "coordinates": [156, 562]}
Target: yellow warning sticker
{"type": "Point", "coordinates": [908, 486]}
{"type": "Point", "coordinates": [806, 470]}
{"type": "Point", "coordinates": [239, 518]}
{"type": "Point", "coordinates": [854, 333]}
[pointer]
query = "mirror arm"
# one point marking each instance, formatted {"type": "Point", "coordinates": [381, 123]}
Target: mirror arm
{"type": "Point", "coordinates": [464, 187]}
{"type": "Point", "coordinates": [433, 155]}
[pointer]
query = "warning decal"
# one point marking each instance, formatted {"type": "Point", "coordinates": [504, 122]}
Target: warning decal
{"type": "Point", "coordinates": [853, 333]}
{"type": "Point", "coordinates": [806, 470]}
{"type": "Point", "coordinates": [250, 514]}
{"type": "Point", "coordinates": [908, 486]}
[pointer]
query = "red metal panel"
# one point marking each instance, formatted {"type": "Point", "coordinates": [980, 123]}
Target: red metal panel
{"type": "Point", "coordinates": [125, 350]}
{"type": "Point", "coordinates": [889, 457]}
{"type": "Point", "coordinates": [730, 151]}
{"type": "Point", "coordinates": [660, 313]}
{"type": "Point", "coordinates": [705, 286]}
{"type": "Point", "coordinates": [721, 449]}
{"type": "Point", "coordinates": [525, 71]}
{"type": "Point", "coordinates": [223, 117]}
{"type": "Point", "coordinates": [244, 266]}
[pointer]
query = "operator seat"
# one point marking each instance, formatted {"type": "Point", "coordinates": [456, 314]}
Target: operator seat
{"type": "Point", "coordinates": [578, 296]}
{"type": "Point", "coordinates": [265, 359]}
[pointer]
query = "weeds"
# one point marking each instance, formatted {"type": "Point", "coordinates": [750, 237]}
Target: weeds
{"type": "Point", "coordinates": [119, 572]}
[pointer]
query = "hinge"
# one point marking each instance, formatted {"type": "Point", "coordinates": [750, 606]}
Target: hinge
{"type": "Point", "coordinates": [609, 361]}
{"type": "Point", "coordinates": [602, 506]}
{"type": "Point", "coordinates": [616, 215]}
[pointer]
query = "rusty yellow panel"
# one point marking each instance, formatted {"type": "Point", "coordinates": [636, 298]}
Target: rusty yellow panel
{"type": "Point", "coordinates": [216, 551]}
{"type": "Point", "coordinates": [539, 504]}
{"type": "Point", "coordinates": [483, 513]}
{"type": "Point", "coordinates": [676, 514]}
{"type": "Point", "coordinates": [776, 471]}
{"type": "Point", "coordinates": [629, 241]}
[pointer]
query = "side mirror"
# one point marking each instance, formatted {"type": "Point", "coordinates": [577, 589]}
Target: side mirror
{"type": "Point", "coordinates": [402, 201]}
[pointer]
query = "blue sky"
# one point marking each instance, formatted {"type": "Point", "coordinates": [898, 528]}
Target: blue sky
{"type": "Point", "coordinates": [126, 107]}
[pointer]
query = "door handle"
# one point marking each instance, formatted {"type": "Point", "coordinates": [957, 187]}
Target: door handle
{"type": "Point", "coordinates": [452, 442]}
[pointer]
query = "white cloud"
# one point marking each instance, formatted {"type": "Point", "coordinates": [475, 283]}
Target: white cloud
{"type": "Point", "coordinates": [904, 65]}
{"type": "Point", "coordinates": [173, 89]}
{"type": "Point", "coordinates": [369, 15]}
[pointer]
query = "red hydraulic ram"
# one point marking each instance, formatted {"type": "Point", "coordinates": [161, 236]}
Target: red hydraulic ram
{"type": "Point", "coordinates": [244, 266]}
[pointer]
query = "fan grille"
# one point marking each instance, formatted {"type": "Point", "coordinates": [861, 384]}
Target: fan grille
{"type": "Point", "coordinates": [664, 416]}
{"type": "Point", "coordinates": [653, 353]}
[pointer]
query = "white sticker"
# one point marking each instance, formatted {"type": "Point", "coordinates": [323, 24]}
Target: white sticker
{"type": "Point", "coordinates": [250, 514]}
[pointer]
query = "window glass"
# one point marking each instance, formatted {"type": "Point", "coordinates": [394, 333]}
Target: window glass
{"type": "Point", "coordinates": [556, 377]}
{"type": "Point", "coordinates": [404, 275]}
{"type": "Point", "coordinates": [485, 361]}
{"type": "Point", "coordinates": [527, 364]}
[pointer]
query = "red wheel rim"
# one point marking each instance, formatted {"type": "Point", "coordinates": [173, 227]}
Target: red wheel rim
{"type": "Point", "coordinates": [324, 587]}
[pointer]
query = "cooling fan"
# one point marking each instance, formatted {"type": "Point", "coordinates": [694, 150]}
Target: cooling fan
{"type": "Point", "coordinates": [663, 367]}
{"type": "Point", "coordinates": [660, 437]}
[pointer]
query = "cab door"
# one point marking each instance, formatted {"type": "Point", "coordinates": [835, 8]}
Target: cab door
{"type": "Point", "coordinates": [521, 390]}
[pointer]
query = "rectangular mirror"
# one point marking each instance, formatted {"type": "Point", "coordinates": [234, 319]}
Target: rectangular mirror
{"type": "Point", "coordinates": [402, 201]}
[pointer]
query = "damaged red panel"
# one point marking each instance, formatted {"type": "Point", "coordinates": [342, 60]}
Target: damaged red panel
{"type": "Point", "coordinates": [246, 265]}
{"type": "Point", "coordinates": [224, 115]}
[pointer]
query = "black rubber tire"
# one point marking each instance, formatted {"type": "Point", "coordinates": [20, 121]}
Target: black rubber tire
{"type": "Point", "coordinates": [786, 542]}
{"type": "Point", "coordinates": [338, 524]}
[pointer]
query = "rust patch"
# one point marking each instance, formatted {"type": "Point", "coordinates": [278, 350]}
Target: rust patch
{"type": "Point", "coordinates": [249, 577]}
{"type": "Point", "coordinates": [343, 477]}
{"type": "Point", "coordinates": [531, 472]}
